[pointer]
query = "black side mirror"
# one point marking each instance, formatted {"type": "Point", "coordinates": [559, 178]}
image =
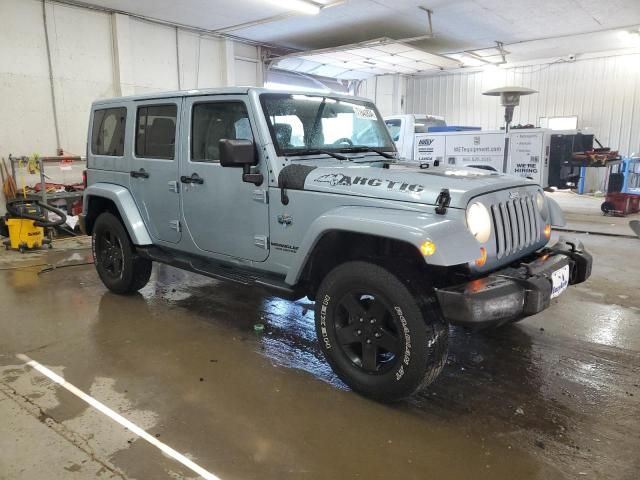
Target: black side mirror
{"type": "Point", "coordinates": [240, 153]}
{"type": "Point", "coordinates": [237, 153]}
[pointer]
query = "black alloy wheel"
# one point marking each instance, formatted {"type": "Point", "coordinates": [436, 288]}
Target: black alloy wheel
{"type": "Point", "coordinates": [367, 332]}
{"type": "Point", "coordinates": [120, 268]}
{"type": "Point", "coordinates": [110, 254]}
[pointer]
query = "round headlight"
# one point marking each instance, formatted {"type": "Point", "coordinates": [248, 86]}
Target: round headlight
{"type": "Point", "coordinates": [541, 203]}
{"type": "Point", "coordinates": [479, 222]}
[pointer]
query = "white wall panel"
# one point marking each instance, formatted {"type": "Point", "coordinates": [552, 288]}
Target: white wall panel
{"type": "Point", "coordinates": [82, 61]}
{"type": "Point", "coordinates": [603, 92]}
{"type": "Point", "coordinates": [189, 55]}
{"type": "Point", "coordinates": [26, 123]}
{"type": "Point", "coordinates": [387, 92]}
{"type": "Point", "coordinates": [247, 65]}
{"type": "Point", "coordinates": [153, 57]}
{"type": "Point", "coordinates": [97, 55]}
{"type": "Point", "coordinates": [212, 65]}
{"type": "Point", "coordinates": [246, 73]}
{"type": "Point", "coordinates": [201, 61]}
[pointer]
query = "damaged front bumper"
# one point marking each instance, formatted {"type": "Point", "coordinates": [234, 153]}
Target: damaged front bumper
{"type": "Point", "coordinates": [518, 291]}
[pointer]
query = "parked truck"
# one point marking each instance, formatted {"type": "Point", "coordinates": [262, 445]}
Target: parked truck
{"type": "Point", "coordinates": [540, 154]}
{"type": "Point", "coordinates": [403, 129]}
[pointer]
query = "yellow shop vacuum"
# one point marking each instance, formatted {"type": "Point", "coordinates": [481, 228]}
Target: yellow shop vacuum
{"type": "Point", "coordinates": [26, 221]}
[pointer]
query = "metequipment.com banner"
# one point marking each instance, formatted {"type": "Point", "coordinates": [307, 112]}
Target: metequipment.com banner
{"type": "Point", "coordinates": [461, 149]}
{"type": "Point", "coordinates": [527, 157]}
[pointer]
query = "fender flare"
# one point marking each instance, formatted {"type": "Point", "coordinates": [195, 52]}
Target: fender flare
{"type": "Point", "coordinates": [126, 206]}
{"type": "Point", "coordinates": [454, 243]}
{"type": "Point", "coordinates": [556, 215]}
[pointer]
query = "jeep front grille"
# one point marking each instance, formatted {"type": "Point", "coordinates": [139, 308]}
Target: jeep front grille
{"type": "Point", "coordinates": [516, 225]}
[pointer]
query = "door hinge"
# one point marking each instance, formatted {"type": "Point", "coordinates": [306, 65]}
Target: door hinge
{"type": "Point", "coordinates": [261, 196]}
{"type": "Point", "coordinates": [175, 225]}
{"type": "Point", "coordinates": [174, 186]}
{"type": "Point", "coordinates": [261, 241]}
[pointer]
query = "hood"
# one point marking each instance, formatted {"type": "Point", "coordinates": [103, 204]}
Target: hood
{"type": "Point", "coordinates": [398, 182]}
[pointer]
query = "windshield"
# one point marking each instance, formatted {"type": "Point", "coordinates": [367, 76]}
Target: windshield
{"type": "Point", "coordinates": [300, 123]}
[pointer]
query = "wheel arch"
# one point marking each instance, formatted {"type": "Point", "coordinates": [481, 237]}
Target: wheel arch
{"type": "Point", "coordinates": [105, 197]}
{"type": "Point", "coordinates": [335, 247]}
{"type": "Point", "coordinates": [368, 233]}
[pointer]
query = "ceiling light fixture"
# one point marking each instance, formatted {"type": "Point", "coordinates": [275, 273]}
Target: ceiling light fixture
{"type": "Point", "coordinates": [301, 6]}
{"type": "Point", "coordinates": [630, 38]}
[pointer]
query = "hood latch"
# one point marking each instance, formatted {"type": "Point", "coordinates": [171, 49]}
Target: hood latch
{"type": "Point", "coordinates": [443, 201]}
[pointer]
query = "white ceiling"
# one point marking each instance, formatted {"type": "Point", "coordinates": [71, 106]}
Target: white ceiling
{"type": "Point", "coordinates": [364, 60]}
{"type": "Point", "coordinates": [458, 24]}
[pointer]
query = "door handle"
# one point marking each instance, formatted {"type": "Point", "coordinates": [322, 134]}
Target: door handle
{"type": "Point", "coordinates": [139, 174]}
{"type": "Point", "coordinates": [194, 178]}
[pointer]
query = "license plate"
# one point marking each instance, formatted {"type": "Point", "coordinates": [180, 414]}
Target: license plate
{"type": "Point", "coordinates": [560, 279]}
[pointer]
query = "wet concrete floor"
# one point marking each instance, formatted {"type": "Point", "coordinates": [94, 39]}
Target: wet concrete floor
{"type": "Point", "coordinates": [555, 396]}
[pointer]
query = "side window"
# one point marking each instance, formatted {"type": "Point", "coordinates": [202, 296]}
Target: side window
{"type": "Point", "coordinates": [394, 125]}
{"type": "Point", "coordinates": [107, 132]}
{"type": "Point", "coordinates": [214, 121]}
{"type": "Point", "coordinates": [156, 131]}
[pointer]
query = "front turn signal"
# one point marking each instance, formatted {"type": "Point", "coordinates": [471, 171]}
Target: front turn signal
{"type": "Point", "coordinates": [427, 248]}
{"type": "Point", "coordinates": [482, 259]}
{"type": "Point", "coordinates": [547, 231]}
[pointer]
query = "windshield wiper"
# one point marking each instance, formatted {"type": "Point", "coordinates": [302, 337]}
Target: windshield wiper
{"type": "Point", "coordinates": [367, 149]}
{"type": "Point", "coordinates": [316, 151]}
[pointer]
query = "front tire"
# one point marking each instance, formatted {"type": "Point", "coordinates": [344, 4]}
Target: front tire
{"type": "Point", "coordinates": [381, 339]}
{"type": "Point", "coordinates": [121, 270]}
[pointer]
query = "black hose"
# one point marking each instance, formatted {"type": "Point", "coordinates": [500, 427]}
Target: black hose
{"type": "Point", "coordinates": [40, 220]}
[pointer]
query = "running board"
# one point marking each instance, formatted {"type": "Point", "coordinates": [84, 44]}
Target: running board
{"type": "Point", "coordinates": [220, 271]}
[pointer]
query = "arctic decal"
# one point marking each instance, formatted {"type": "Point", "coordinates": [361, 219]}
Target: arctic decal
{"type": "Point", "coordinates": [336, 179]}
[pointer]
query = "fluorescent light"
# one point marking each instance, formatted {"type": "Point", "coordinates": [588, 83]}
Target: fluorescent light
{"type": "Point", "coordinates": [630, 37]}
{"type": "Point", "coordinates": [471, 61]}
{"type": "Point", "coordinates": [286, 86]}
{"type": "Point", "coordinates": [302, 6]}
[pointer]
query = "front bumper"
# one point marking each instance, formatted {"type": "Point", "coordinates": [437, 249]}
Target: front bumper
{"type": "Point", "coordinates": [517, 291]}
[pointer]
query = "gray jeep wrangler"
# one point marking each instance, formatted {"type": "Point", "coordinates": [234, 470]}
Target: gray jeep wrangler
{"type": "Point", "coordinates": [301, 194]}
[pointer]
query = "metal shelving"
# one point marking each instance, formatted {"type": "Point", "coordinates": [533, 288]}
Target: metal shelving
{"type": "Point", "coordinates": [44, 196]}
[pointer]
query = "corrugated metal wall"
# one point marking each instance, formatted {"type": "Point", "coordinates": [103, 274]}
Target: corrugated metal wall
{"type": "Point", "coordinates": [603, 92]}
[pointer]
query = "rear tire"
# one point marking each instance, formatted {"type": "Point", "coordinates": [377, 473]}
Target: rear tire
{"type": "Point", "coordinates": [121, 270]}
{"type": "Point", "coordinates": [383, 340]}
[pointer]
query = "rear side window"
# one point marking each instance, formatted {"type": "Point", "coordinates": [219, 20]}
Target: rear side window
{"type": "Point", "coordinates": [107, 132]}
{"type": "Point", "coordinates": [212, 122]}
{"type": "Point", "coordinates": [156, 131]}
